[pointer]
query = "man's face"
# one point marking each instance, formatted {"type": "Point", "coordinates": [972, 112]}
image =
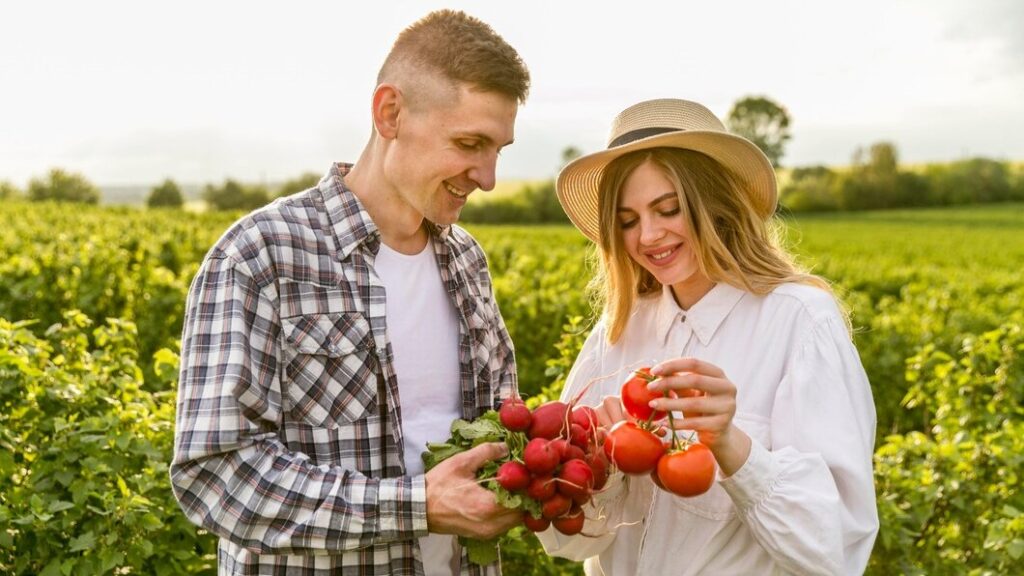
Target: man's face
{"type": "Point", "coordinates": [444, 151]}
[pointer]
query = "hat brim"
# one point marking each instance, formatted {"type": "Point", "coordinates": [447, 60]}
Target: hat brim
{"type": "Point", "coordinates": [578, 183]}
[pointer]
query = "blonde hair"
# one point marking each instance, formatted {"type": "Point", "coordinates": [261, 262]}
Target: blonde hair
{"type": "Point", "coordinates": [731, 242]}
{"type": "Point", "coordinates": [457, 48]}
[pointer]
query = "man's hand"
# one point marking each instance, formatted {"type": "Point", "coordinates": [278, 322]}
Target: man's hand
{"type": "Point", "coordinates": [456, 504]}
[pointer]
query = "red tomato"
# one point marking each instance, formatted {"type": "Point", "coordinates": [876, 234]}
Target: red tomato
{"type": "Point", "coordinates": [633, 449]}
{"type": "Point", "coordinates": [635, 396]}
{"type": "Point", "coordinates": [688, 472]}
{"type": "Point", "coordinates": [689, 393]}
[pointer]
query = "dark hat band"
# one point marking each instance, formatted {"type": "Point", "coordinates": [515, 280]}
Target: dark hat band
{"type": "Point", "coordinates": [639, 134]}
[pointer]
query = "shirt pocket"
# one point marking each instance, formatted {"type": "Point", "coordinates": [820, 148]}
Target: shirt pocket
{"type": "Point", "coordinates": [715, 504]}
{"type": "Point", "coordinates": [329, 368]}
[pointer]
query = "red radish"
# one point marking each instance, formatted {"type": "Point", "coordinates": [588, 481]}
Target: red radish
{"type": "Point", "coordinates": [586, 417]}
{"type": "Point", "coordinates": [575, 479]}
{"type": "Point", "coordinates": [549, 419]}
{"type": "Point", "coordinates": [535, 524]}
{"type": "Point", "coordinates": [599, 466]}
{"type": "Point", "coordinates": [540, 456]}
{"type": "Point", "coordinates": [541, 487]}
{"type": "Point", "coordinates": [578, 436]}
{"type": "Point", "coordinates": [555, 506]}
{"type": "Point", "coordinates": [571, 523]}
{"type": "Point", "coordinates": [514, 415]}
{"type": "Point", "coordinates": [513, 476]}
{"type": "Point", "coordinates": [573, 451]}
{"type": "Point", "coordinates": [559, 445]}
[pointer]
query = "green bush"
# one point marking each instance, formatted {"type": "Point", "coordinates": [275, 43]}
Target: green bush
{"type": "Point", "coordinates": [166, 195]}
{"type": "Point", "coordinates": [977, 180]}
{"type": "Point", "coordinates": [810, 189]}
{"type": "Point", "coordinates": [84, 486]}
{"type": "Point", "coordinates": [950, 498]}
{"type": "Point", "coordinates": [63, 186]}
{"type": "Point", "coordinates": [234, 196]}
{"type": "Point", "coordinates": [532, 204]}
{"type": "Point", "coordinates": [9, 191]}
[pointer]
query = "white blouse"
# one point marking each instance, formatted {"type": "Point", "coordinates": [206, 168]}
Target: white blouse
{"type": "Point", "coordinates": [802, 503]}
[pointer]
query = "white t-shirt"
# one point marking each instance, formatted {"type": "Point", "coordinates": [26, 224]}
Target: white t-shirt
{"type": "Point", "coordinates": [803, 502]}
{"type": "Point", "coordinates": [423, 327]}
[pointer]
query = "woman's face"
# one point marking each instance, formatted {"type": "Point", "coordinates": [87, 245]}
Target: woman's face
{"type": "Point", "coordinates": [654, 231]}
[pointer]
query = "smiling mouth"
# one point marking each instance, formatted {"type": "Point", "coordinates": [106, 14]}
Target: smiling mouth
{"type": "Point", "coordinates": [663, 255]}
{"type": "Point", "coordinates": [455, 191]}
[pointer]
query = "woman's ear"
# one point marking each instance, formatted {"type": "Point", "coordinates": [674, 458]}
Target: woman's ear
{"type": "Point", "coordinates": [387, 104]}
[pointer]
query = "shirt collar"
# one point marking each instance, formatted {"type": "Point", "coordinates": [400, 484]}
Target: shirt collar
{"type": "Point", "coordinates": [704, 317]}
{"type": "Point", "coordinates": [350, 222]}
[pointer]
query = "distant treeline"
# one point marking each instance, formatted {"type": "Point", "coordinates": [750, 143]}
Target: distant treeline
{"type": "Point", "coordinates": [874, 180]}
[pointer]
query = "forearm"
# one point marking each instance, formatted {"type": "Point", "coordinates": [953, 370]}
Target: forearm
{"type": "Point", "coordinates": [269, 500]}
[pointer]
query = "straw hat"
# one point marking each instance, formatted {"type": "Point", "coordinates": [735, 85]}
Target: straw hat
{"type": "Point", "coordinates": [670, 123]}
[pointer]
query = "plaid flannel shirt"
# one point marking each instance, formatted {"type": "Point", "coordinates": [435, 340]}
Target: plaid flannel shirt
{"type": "Point", "coordinates": [288, 438]}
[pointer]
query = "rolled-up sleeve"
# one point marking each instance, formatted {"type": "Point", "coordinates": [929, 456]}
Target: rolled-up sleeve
{"type": "Point", "coordinates": [231, 473]}
{"type": "Point", "coordinates": [810, 499]}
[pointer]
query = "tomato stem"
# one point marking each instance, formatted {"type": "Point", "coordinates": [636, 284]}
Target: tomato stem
{"type": "Point", "coordinates": [672, 426]}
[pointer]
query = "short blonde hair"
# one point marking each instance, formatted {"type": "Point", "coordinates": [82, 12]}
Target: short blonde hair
{"type": "Point", "coordinates": [731, 242]}
{"type": "Point", "coordinates": [460, 49]}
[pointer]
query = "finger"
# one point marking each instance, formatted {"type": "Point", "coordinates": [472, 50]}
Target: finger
{"type": "Point", "coordinates": [707, 405]}
{"type": "Point", "coordinates": [694, 381]}
{"type": "Point", "coordinates": [688, 364]}
{"type": "Point", "coordinates": [702, 423]}
{"type": "Point", "coordinates": [476, 457]}
{"type": "Point", "coordinates": [610, 411]}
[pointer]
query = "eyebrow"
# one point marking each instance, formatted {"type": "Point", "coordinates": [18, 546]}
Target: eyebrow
{"type": "Point", "coordinates": [484, 138]}
{"type": "Point", "coordinates": [654, 202]}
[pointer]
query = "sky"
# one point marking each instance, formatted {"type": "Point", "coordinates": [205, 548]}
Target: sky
{"type": "Point", "coordinates": [130, 93]}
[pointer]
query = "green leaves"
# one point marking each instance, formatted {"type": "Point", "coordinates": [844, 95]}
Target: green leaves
{"type": "Point", "coordinates": [949, 496]}
{"type": "Point", "coordinates": [465, 435]}
{"type": "Point", "coordinates": [85, 487]}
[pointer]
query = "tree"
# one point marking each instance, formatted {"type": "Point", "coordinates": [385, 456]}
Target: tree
{"type": "Point", "coordinates": [873, 180]}
{"type": "Point", "coordinates": [63, 186]}
{"type": "Point", "coordinates": [234, 196]}
{"type": "Point", "coordinates": [306, 181]}
{"type": "Point", "coordinates": [166, 195]}
{"type": "Point", "coordinates": [810, 189]}
{"type": "Point", "coordinates": [8, 190]}
{"type": "Point", "coordinates": [763, 122]}
{"type": "Point", "coordinates": [570, 153]}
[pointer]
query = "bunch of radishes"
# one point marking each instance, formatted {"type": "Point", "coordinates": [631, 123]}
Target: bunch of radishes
{"type": "Point", "coordinates": [561, 463]}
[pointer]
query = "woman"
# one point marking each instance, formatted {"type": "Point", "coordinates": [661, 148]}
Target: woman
{"type": "Point", "coordinates": [693, 281]}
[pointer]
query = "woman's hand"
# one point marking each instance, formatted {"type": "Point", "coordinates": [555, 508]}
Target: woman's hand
{"type": "Point", "coordinates": [711, 409]}
{"type": "Point", "coordinates": [610, 412]}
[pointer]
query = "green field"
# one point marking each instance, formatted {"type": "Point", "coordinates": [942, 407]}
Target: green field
{"type": "Point", "coordinates": [937, 301]}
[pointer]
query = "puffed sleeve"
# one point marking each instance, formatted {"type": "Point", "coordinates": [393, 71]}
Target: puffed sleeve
{"type": "Point", "coordinates": [810, 500]}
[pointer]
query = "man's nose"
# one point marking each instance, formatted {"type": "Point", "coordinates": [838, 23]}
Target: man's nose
{"type": "Point", "coordinates": [484, 173]}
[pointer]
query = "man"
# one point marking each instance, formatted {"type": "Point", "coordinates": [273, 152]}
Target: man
{"type": "Point", "coordinates": [331, 334]}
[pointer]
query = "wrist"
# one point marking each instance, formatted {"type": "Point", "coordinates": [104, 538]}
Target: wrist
{"type": "Point", "coordinates": [731, 450]}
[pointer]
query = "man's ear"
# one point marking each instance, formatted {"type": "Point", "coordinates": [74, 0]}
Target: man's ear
{"type": "Point", "coordinates": [387, 105]}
